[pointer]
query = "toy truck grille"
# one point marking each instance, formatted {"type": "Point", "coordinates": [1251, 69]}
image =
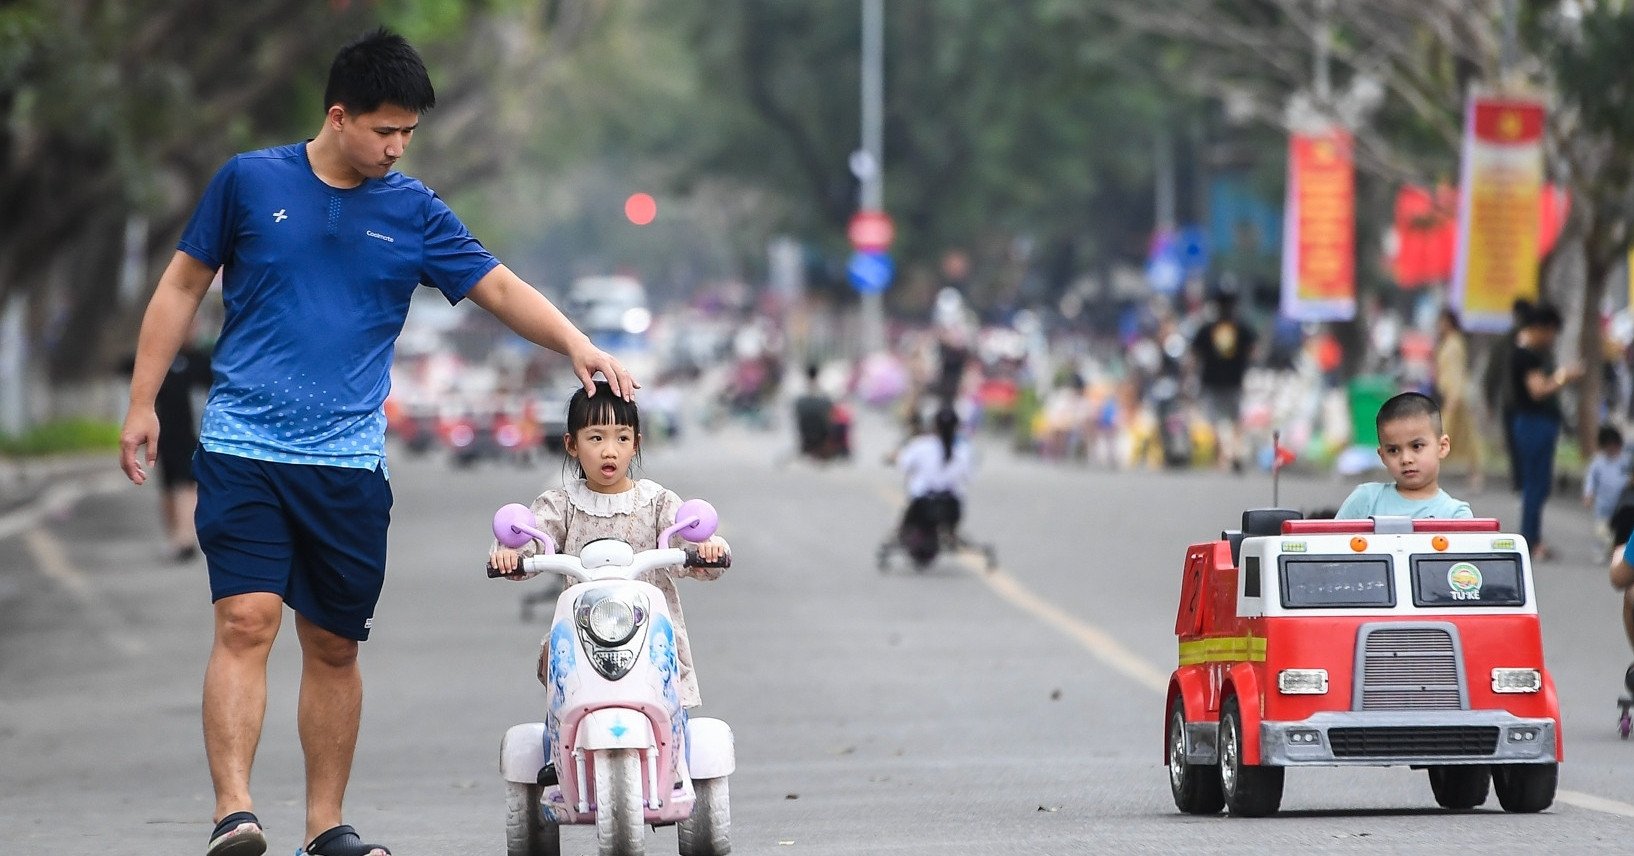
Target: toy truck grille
{"type": "Point", "coordinates": [1409, 668]}
{"type": "Point", "coordinates": [1411, 741]}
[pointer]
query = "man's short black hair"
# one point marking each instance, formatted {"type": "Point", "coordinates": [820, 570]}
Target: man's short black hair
{"type": "Point", "coordinates": [1545, 316]}
{"type": "Point", "coordinates": [379, 67]}
{"type": "Point", "coordinates": [1407, 405]}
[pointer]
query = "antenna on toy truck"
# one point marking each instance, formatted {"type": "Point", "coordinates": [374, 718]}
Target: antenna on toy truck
{"type": "Point", "coordinates": [1279, 457]}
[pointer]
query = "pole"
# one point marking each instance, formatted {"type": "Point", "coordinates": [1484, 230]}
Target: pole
{"type": "Point", "coordinates": [873, 103]}
{"type": "Point", "coordinates": [872, 178]}
{"type": "Point", "coordinates": [1506, 56]}
{"type": "Point", "coordinates": [1324, 46]}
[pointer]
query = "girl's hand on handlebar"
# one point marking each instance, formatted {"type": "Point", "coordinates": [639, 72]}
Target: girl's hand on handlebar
{"type": "Point", "coordinates": [712, 550]}
{"type": "Point", "coordinates": [706, 560]}
{"type": "Point", "coordinates": [507, 563]}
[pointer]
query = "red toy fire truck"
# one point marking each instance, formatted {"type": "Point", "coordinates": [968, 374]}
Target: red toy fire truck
{"type": "Point", "coordinates": [1379, 642]}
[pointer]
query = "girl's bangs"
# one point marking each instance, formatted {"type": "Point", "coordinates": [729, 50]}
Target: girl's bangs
{"type": "Point", "coordinates": [608, 409]}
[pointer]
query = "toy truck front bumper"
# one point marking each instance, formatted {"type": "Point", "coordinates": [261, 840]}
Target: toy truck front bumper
{"type": "Point", "coordinates": [1392, 738]}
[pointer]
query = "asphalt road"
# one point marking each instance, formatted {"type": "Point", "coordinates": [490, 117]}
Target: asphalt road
{"type": "Point", "coordinates": [951, 712]}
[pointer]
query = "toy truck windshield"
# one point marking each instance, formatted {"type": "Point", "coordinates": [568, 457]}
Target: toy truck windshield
{"type": "Point", "coordinates": [1333, 582]}
{"type": "Point", "coordinates": [1465, 580]}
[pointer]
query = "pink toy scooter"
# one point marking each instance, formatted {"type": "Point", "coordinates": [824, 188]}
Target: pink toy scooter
{"type": "Point", "coordinates": [616, 748]}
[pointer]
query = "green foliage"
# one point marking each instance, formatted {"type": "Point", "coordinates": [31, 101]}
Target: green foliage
{"type": "Point", "coordinates": [72, 435]}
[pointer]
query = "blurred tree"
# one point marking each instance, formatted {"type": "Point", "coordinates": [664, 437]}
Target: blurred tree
{"type": "Point", "coordinates": [1415, 60]}
{"type": "Point", "coordinates": [1010, 135]}
{"type": "Point", "coordinates": [1583, 48]}
{"type": "Point", "coordinates": [118, 111]}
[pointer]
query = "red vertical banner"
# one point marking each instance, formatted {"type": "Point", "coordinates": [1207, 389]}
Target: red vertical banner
{"type": "Point", "coordinates": [1319, 228]}
{"type": "Point", "coordinates": [1500, 200]}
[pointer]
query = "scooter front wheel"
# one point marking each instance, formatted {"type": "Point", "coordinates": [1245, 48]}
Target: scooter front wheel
{"type": "Point", "coordinates": [526, 832]}
{"type": "Point", "coordinates": [619, 819]}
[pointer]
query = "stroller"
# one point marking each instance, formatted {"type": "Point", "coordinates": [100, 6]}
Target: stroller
{"type": "Point", "coordinates": [930, 525]}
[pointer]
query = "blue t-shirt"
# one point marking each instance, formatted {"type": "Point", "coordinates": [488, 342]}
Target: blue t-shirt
{"type": "Point", "coordinates": [1382, 499]}
{"type": "Point", "coordinates": [316, 282]}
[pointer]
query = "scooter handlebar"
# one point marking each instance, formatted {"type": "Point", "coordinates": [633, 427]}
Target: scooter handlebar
{"type": "Point", "coordinates": [693, 561]}
{"type": "Point", "coordinates": [644, 561]}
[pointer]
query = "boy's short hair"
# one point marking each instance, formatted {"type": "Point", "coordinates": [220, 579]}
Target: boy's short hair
{"type": "Point", "coordinates": [1407, 405]}
{"type": "Point", "coordinates": [379, 67]}
{"type": "Point", "coordinates": [1608, 437]}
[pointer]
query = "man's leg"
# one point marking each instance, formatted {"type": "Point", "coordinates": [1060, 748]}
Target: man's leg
{"type": "Point", "coordinates": [331, 707]}
{"type": "Point", "coordinates": [235, 693]}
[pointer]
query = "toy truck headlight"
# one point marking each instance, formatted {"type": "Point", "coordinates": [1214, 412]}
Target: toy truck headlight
{"type": "Point", "coordinates": [1303, 681]}
{"type": "Point", "coordinates": [1516, 680]}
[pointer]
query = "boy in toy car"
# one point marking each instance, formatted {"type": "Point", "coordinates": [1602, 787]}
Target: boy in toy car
{"type": "Point", "coordinates": [1412, 445]}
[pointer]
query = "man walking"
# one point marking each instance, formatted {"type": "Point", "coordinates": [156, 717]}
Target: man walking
{"type": "Point", "coordinates": [321, 246]}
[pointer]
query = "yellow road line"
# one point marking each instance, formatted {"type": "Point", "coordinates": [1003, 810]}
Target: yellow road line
{"type": "Point", "coordinates": [1100, 643]}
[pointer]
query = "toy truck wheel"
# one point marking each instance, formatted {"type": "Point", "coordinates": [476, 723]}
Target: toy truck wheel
{"type": "Point", "coordinates": [1525, 788]}
{"type": "Point", "coordinates": [618, 803]}
{"type": "Point", "coordinates": [1460, 786]}
{"type": "Point", "coordinates": [1196, 787]}
{"type": "Point", "coordinates": [1250, 790]}
{"type": "Point", "coordinates": [526, 832]}
{"type": "Point", "coordinates": [708, 832]}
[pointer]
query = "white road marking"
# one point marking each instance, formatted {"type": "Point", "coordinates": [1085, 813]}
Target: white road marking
{"type": "Point", "coordinates": [51, 558]}
{"type": "Point", "coordinates": [1594, 803]}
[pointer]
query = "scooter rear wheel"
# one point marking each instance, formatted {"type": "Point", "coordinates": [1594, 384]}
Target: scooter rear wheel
{"type": "Point", "coordinates": [619, 820]}
{"type": "Point", "coordinates": [708, 832]}
{"type": "Point", "coordinates": [526, 832]}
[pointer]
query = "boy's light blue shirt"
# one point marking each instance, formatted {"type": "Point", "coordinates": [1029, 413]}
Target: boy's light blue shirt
{"type": "Point", "coordinates": [1382, 499]}
{"type": "Point", "coordinates": [1603, 483]}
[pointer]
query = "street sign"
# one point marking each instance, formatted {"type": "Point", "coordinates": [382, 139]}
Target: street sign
{"type": "Point", "coordinates": [870, 231]}
{"type": "Point", "coordinates": [870, 272]}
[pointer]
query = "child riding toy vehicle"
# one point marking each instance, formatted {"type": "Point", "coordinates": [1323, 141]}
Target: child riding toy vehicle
{"type": "Point", "coordinates": [616, 748]}
{"type": "Point", "coordinates": [1380, 642]}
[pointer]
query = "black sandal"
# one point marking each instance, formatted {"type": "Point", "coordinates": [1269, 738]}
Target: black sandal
{"type": "Point", "coordinates": [342, 841]}
{"type": "Point", "coordinates": [238, 834]}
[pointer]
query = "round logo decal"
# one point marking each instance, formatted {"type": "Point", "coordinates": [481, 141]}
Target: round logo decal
{"type": "Point", "coordinates": [1465, 581]}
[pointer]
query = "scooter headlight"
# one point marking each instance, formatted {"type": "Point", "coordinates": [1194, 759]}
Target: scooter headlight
{"type": "Point", "coordinates": [612, 621]}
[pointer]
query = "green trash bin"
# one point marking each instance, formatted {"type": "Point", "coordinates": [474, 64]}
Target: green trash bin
{"type": "Point", "coordinates": [1367, 393]}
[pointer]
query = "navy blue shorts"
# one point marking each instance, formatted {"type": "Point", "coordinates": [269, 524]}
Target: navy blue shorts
{"type": "Point", "coordinates": [314, 535]}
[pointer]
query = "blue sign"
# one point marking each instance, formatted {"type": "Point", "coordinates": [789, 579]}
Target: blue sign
{"type": "Point", "coordinates": [870, 272]}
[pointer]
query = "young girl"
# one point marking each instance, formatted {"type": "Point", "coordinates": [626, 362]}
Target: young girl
{"type": "Point", "coordinates": [604, 438]}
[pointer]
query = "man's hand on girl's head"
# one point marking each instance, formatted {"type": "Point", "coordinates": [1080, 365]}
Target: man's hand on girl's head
{"type": "Point", "coordinates": [591, 360]}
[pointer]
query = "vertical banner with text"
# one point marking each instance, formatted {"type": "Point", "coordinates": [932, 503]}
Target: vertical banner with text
{"type": "Point", "coordinates": [1500, 192]}
{"type": "Point", "coordinates": [1319, 228]}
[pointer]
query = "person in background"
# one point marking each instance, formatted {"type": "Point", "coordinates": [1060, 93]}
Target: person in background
{"type": "Point", "coordinates": [1604, 480]}
{"type": "Point", "coordinates": [936, 468]}
{"type": "Point", "coordinates": [178, 437]}
{"type": "Point", "coordinates": [1452, 389]}
{"type": "Point", "coordinates": [1499, 387]}
{"type": "Point", "coordinates": [1536, 383]}
{"type": "Point", "coordinates": [1222, 349]}
{"type": "Point", "coordinates": [814, 419]}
